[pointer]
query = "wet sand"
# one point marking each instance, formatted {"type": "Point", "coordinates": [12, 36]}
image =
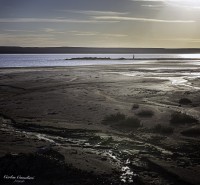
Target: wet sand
{"type": "Point", "coordinates": [59, 111]}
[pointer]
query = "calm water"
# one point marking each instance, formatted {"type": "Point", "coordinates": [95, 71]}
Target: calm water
{"type": "Point", "coordinates": [42, 60]}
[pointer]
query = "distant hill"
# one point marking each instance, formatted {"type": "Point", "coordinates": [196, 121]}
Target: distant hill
{"type": "Point", "coordinates": [40, 50]}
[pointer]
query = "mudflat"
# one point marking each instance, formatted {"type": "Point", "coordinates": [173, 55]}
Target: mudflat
{"type": "Point", "coordinates": [114, 124]}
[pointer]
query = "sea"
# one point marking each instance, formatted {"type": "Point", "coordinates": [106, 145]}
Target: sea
{"type": "Point", "coordinates": [53, 60]}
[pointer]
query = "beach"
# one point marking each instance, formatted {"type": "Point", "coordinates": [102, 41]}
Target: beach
{"type": "Point", "coordinates": [63, 114]}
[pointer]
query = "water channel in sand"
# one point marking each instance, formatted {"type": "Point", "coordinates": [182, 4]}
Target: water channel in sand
{"type": "Point", "coordinates": [120, 150]}
{"type": "Point", "coordinates": [175, 79]}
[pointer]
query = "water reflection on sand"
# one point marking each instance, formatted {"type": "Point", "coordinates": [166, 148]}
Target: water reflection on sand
{"type": "Point", "coordinates": [178, 78]}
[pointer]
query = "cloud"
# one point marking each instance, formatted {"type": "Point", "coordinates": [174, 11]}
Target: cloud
{"type": "Point", "coordinates": [26, 39]}
{"type": "Point", "coordinates": [27, 35]}
{"type": "Point", "coordinates": [91, 12]}
{"type": "Point", "coordinates": [178, 40]}
{"type": "Point", "coordinates": [148, 0]}
{"type": "Point", "coordinates": [20, 31]}
{"type": "Point", "coordinates": [44, 30]}
{"type": "Point", "coordinates": [153, 6]}
{"type": "Point", "coordinates": [151, 3]}
{"type": "Point", "coordinates": [121, 18]}
{"type": "Point", "coordinates": [52, 31]}
{"type": "Point", "coordinates": [190, 4]}
{"type": "Point", "coordinates": [78, 33]}
{"type": "Point", "coordinates": [38, 20]}
{"type": "Point", "coordinates": [114, 35]}
{"type": "Point", "coordinates": [49, 30]}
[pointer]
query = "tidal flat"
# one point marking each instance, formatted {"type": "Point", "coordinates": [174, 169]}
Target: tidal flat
{"type": "Point", "coordinates": [115, 124]}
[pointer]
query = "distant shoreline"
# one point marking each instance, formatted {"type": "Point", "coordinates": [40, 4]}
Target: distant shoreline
{"type": "Point", "coordinates": [98, 58]}
{"type": "Point", "coordinates": [108, 58]}
{"type": "Point", "coordinates": [91, 50]}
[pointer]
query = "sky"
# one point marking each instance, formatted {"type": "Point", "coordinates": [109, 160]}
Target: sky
{"type": "Point", "coordinates": [100, 23]}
